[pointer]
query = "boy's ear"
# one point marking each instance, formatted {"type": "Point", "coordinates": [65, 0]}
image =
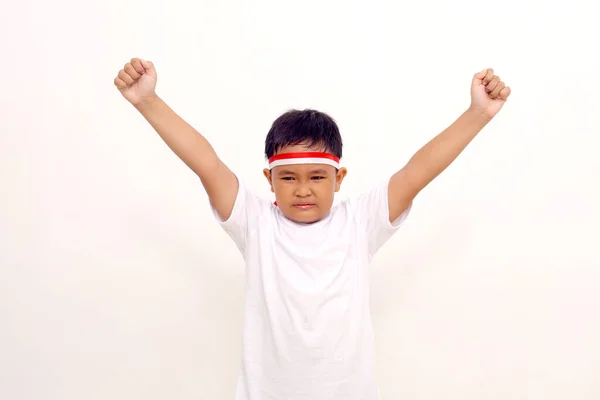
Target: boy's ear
{"type": "Point", "coordinates": [267, 174]}
{"type": "Point", "coordinates": [339, 177]}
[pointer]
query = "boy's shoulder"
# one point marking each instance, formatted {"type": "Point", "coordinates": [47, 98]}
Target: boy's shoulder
{"type": "Point", "coordinates": [364, 214]}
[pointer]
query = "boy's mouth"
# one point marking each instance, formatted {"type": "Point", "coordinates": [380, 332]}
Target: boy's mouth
{"type": "Point", "coordinates": [304, 206]}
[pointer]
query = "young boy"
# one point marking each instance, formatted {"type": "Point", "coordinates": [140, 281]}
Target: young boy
{"type": "Point", "coordinates": [307, 326]}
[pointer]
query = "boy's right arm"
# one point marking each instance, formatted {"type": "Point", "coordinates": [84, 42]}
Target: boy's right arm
{"type": "Point", "coordinates": [137, 83]}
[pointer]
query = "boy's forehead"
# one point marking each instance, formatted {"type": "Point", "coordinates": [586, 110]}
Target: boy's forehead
{"type": "Point", "coordinates": [304, 169]}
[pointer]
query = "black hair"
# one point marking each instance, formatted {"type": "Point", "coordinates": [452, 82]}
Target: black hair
{"type": "Point", "coordinates": [311, 127]}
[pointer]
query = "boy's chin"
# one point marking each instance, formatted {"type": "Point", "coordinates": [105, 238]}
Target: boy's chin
{"type": "Point", "coordinates": [304, 216]}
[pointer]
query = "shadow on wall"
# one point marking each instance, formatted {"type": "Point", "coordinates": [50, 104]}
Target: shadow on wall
{"type": "Point", "coordinates": [415, 260]}
{"type": "Point", "coordinates": [208, 280]}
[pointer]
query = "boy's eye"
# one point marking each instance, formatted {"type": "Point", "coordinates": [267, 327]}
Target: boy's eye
{"type": "Point", "coordinates": [287, 178]}
{"type": "Point", "coordinates": [318, 177]}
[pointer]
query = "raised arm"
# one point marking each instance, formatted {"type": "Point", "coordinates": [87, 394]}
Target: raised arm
{"type": "Point", "coordinates": [137, 83]}
{"type": "Point", "coordinates": [488, 95]}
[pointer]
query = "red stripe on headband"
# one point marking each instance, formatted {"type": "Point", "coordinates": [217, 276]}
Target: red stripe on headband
{"type": "Point", "coordinates": [307, 154]}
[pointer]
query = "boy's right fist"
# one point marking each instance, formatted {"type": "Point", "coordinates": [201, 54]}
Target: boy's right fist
{"type": "Point", "coordinates": [137, 81]}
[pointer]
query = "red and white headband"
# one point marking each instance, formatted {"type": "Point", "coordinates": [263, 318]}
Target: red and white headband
{"type": "Point", "coordinates": [304, 158]}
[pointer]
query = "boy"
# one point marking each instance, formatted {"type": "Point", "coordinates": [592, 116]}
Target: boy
{"type": "Point", "coordinates": [307, 325]}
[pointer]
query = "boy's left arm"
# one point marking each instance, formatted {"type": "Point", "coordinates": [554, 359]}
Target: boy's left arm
{"type": "Point", "coordinates": [488, 95]}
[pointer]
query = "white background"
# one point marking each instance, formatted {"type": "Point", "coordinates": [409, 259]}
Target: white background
{"type": "Point", "coordinates": [117, 283]}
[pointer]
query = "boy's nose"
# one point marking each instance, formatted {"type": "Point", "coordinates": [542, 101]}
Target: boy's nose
{"type": "Point", "coordinates": [303, 192]}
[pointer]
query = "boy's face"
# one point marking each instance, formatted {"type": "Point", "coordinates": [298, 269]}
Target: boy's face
{"type": "Point", "coordinates": [304, 192]}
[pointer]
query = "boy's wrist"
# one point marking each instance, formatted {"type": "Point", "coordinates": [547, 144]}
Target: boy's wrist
{"type": "Point", "coordinates": [478, 116]}
{"type": "Point", "coordinates": [147, 103]}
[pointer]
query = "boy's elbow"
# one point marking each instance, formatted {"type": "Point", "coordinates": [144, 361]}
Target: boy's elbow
{"type": "Point", "coordinates": [221, 186]}
{"type": "Point", "coordinates": [403, 187]}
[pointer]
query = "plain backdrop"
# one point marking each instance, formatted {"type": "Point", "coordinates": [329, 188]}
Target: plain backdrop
{"type": "Point", "coordinates": [117, 283]}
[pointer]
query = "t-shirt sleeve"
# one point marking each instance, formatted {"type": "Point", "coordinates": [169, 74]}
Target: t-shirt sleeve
{"type": "Point", "coordinates": [372, 213]}
{"type": "Point", "coordinates": [244, 216]}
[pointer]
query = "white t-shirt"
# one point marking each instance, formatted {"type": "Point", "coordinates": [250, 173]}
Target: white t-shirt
{"type": "Point", "coordinates": [307, 325]}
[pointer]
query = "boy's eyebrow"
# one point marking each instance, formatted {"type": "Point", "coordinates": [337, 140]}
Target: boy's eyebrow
{"type": "Point", "coordinates": [286, 172]}
{"type": "Point", "coordinates": [314, 171]}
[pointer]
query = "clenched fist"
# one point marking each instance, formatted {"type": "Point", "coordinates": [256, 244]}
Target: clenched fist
{"type": "Point", "coordinates": [137, 81]}
{"type": "Point", "coordinates": [488, 93]}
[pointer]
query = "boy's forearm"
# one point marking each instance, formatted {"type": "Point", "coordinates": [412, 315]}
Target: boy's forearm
{"type": "Point", "coordinates": [187, 143]}
{"type": "Point", "coordinates": [137, 83]}
{"type": "Point", "coordinates": [433, 158]}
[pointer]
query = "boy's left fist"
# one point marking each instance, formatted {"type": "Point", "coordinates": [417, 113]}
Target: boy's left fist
{"type": "Point", "coordinates": [488, 93]}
